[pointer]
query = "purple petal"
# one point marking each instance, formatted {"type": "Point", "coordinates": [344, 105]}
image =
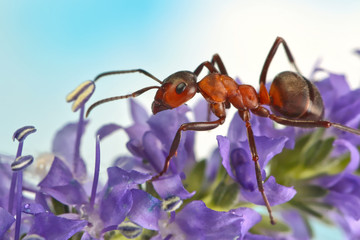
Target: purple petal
{"type": "Point", "coordinates": [54, 227]}
{"type": "Point", "coordinates": [153, 150]}
{"type": "Point", "coordinates": [224, 149]}
{"type": "Point", "coordinates": [196, 221]}
{"type": "Point", "coordinates": [349, 184]}
{"type": "Point", "coordinates": [60, 184]}
{"type": "Point", "coordinates": [346, 107]}
{"type": "Point", "coordinates": [350, 207]}
{"type": "Point", "coordinates": [145, 210]}
{"type": "Point", "coordinates": [108, 129]}
{"type": "Point", "coordinates": [138, 113]}
{"type": "Point", "coordinates": [297, 223]}
{"type": "Point", "coordinates": [118, 176]}
{"type": "Point", "coordinates": [41, 198]}
{"type": "Point", "coordinates": [115, 204]}
{"type": "Point", "coordinates": [166, 123]}
{"type": "Point", "coordinates": [64, 143]}
{"type": "Point", "coordinates": [201, 111]}
{"type": "Point", "coordinates": [87, 236]}
{"type": "Point", "coordinates": [6, 220]}
{"type": "Point", "coordinates": [250, 216]}
{"type": "Point", "coordinates": [329, 181]}
{"type": "Point", "coordinates": [237, 129]}
{"type": "Point", "coordinates": [354, 153]}
{"type": "Point", "coordinates": [171, 186]}
{"type": "Point", "coordinates": [243, 167]}
{"type": "Point", "coordinates": [129, 163]}
{"type": "Point", "coordinates": [32, 208]}
{"type": "Point", "coordinates": [213, 165]}
{"type": "Point", "coordinates": [261, 127]}
{"type": "Point", "coordinates": [276, 193]}
{"type": "Point", "coordinates": [136, 131]}
{"type": "Point", "coordinates": [238, 162]}
{"type": "Point", "coordinates": [350, 226]}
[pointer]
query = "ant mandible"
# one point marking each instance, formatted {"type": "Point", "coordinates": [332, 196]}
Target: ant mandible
{"type": "Point", "coordinates": [295, 101]}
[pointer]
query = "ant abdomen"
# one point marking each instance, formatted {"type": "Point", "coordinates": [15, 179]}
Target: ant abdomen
{"type": "Point", "coordinates": [295, 97]}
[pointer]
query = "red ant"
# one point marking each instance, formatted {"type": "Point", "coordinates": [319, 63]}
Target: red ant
{"type": "Point", "coordinates": [295, 100]}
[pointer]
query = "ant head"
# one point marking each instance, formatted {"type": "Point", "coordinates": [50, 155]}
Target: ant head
{"type": "Point", "coordinates": [175, 90]}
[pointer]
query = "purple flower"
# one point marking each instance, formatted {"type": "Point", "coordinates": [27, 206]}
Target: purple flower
{"type": "Point", "coordinates": [196, 221]}
{"type": "Point", "coordinates": [54, 227]}
{"type": "Point", "coordinates": [6, 220]}
{"type": "Point", "coordinates": [238, 164]}
{"type": "Point", "coordinates": [61, 184]}
{"type": "Point", "coordinates": [150, 140]}
{"type": "Point", "coordinates": [66, 145]}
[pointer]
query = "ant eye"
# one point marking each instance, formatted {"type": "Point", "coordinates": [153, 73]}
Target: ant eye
{"type": "Point", "coordinates": [180, 87]}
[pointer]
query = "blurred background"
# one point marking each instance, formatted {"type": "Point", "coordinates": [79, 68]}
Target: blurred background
{"type": "Point", "coordinates": [47, 48]}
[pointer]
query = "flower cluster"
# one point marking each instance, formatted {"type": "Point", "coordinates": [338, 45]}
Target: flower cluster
{"type": "Point", "coordinates": [307, 174]}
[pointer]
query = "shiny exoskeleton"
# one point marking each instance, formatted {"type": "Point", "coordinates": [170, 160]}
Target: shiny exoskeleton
{"type": "Point", "coordinates": [293, 100]}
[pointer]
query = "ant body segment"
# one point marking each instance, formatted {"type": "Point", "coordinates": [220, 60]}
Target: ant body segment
{"type": "Point", "coordinates": [293, 100]}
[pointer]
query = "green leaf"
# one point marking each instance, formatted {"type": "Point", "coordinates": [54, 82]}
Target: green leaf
{"type": "Point", "coordinates": [195, 179]}
{"type": "Point", "coordinates": [225, 195]}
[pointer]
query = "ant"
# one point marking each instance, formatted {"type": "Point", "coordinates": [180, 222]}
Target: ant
{"type": "Point", "coordinates": [293, 100]}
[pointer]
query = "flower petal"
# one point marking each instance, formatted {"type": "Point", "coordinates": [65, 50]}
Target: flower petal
{"type": "Point", "coordinates": [118, 176]}
{"type": "Point", "coordinates": [350, 207]}
{"type": "Point", "coordinates": [64, 144]}
{"type": "Point", "coordinates": [171, 186]}
{"type": "Point", "coordinates": [276, 193]}
{"type": "Point", "coordinates": [108, 129]}
{"type": "Point", "coordinates": [60, 184]}
{"type": "Point", "coordinates": [54, 227]}
{"type": "Point", "coordinates": [6, 220]}
{"type": "Point", "coordinates": [145, 210]}
{"type": "Point", "coordinates": [115, 204]}
{"type": "Point", "coordinates": [250, 216]}
{"type": "Point", "coordinates": [196, 221]}
{"type": "Point", "coordinates": [138, 113]}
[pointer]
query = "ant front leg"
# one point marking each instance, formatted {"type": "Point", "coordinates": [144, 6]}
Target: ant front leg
{"type": "Point", "coordinates": [194, 126]}
{"type": "Point", "coordinates": [245, 116]}
{"type": "Point", "coordinates": [265, 99]}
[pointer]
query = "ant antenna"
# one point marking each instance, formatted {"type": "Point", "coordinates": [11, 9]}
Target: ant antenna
{"type": "Point", "coordinates": [127, 71]}
{"type": "Point", "coordinates": [134, 94]}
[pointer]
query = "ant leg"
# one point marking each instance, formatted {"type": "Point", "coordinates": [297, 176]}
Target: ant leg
{"type": "Point", "coordinates": [206, 64]}
{"type": "Point", "coordinates": [218, 109]}
{"type": "Point", "coordinates": [263, 92]}
{"type": "Point", "coordinates": [216, 59]}
{"type": "Point", "coordinates": [127, 71]}
{"type": "Point", "coordinates": [194, 126]}
{"type": "Point", "coordinates": [245, 116]}
{"type": "Point", "coordinates": [263, 112]}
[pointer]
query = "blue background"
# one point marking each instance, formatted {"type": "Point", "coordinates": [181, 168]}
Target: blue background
{"type": "Point", "coordinates": [48, 47]}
